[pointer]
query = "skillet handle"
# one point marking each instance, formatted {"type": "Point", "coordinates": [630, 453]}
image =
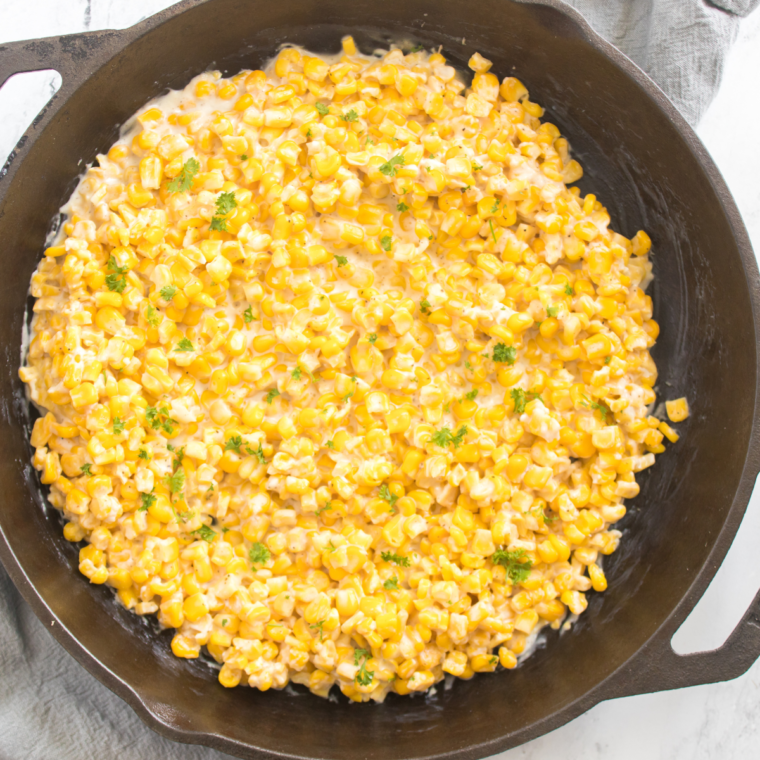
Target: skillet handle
{"type": "Point", "coordinates": [658, 668]}
{"type": "Point", "coordinates": [71, 55]}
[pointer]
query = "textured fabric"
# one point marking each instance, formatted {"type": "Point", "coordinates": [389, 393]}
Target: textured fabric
{"type": "Point", "coordinates": [50, 707]}
{"type": "Point", "coordinates": [681, 44]}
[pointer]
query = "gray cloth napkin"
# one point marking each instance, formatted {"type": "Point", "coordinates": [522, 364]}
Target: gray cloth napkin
{"type": "Point", "coordinates": [50, 707]}
{"type": "Point", "coordinates": [681, 44]}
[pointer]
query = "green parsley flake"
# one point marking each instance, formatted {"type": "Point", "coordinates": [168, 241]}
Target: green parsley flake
{"type": "Point", "coordinates": [401, 207]}
{"type": "Point", "coordinates": [521, 398]}
{"type": "Point", "coordinates": [363, 676]}
{"type": "Point", "coordinates": [296, 373]}
{"type": "Point", "coordinates": [444, 437]}
{"type": "Point", "coordinates": [152, 316]}
{"type": "Point", "coordinates": [503, 353]}
{"type": "Point", "coordinates": [259, 454]}
{"type": "Point", "coordinates": [259, 554]}
{"type": "Point", "coordinates": [390, 167]}
{"type": "Point", "coordinates": [372, 337]}
{"type": "Point", "coordinates": [159, 418]}
{"type": "Point", "coordinates": [143, 454]}
{"type": "Point", "coordinates": [493, 234]}
{"type": "Point", "coordinates": [552, 311]}
{"type": "Point", "coordinates": [148, 500]}
{"type": "Point", "coordinates": [396, 559]}
{"type": "Point", "coordinates": [391, 584]}
{"type": "Point", "coordinates": [386, 495]}
{"type": "Point", "coordinates": [386, 242]}
{"type": "Point", "coordinates": [205, 533]}
{"type": "Point", "coordinates": [168, 292]}
{"type": "Point", "coordinates": [184, 345]}
{"type": "Point", "coordinates": [322, 109]}
{"type": "Point", "coordinates": [472, 395]}
{"type": "Point", "coordinates": [176, 482]}
{"type": "Point", "coordinates": [425, 306]}
{"type": "Point", "coordinates": [568, 290]}
{"type": "Point", "coordinates": [248, 315]}
{"type": "Point", "coordinates": [118, 426]}
{"type": "Point", "coordinates": [244, 157]}
{"type": "Point", "coordinates": [272, 395]}
{"type": "Point", "coordinates": [342, 261]}
{"type": "Point", "coordinates": [516, 563]}
{"type": "Point", "coordinates": [330, 445]}
{"type": "Point", "coordinates": [184, 180]}
{"type": "Point", "coordinates": [85, 469]}
{"type": "Point", "coordinates": [351, 116]}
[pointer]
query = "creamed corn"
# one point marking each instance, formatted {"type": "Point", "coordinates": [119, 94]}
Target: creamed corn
{"type": "Point", "coordinates": [340, 377]}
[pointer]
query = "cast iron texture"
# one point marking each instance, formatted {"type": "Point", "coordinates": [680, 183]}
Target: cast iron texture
{"type": "Point", "coordinates": [648, 167]}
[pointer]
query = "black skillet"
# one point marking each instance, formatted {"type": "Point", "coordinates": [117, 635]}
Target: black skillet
{"type": "Point", "coordinates": [650, 170]}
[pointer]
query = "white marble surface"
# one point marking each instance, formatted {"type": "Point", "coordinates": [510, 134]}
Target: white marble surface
{"type": "Point", "coordinates": [700, 723]}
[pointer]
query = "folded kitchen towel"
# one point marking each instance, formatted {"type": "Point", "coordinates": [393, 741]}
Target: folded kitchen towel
{"type": "Point", "coordinates": [681, 44]}
{"type": "Point", "coordinates": [50, 707]}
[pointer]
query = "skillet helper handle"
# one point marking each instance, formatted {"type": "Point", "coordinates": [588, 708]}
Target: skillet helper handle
{"type": "Point", "coordinates": [659, 668]}
{"type": "Point", "coordinates": [71, 55]}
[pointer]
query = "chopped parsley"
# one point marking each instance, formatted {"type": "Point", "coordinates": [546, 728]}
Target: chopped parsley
{"type": "Point", "coordinates": [259, 454]}
{"type": "Point", "coordinates": [176, 481]}
{"type": "Point", "coordinates": [168, 292]}
{"type": "Point", "coordinates": [395, 558]}
{"type": "Point", "coordinates": [322, 109]}
{"type": "Point", "coordinates": [386, 495]}
{"type": "Point", "coordinates": [235, 443]}
{"type": "Point", "coordinates": [503, 353]}
{"type": "Point", "coordinates": [372, 337]}
{"type": "Point", "coordinates": [160, 419]}
{"type": "Point", "coordinates": [224, 205]}
{"type": "Point", "coordinates": [401, 207]}
{"type": "Point", "coordinates": [516, 563]}
{"type": "Point", "coordinates": [416, 49]}
{"type": "Point", "coordinates": [444, 437]}
{"type": "Point", "coordinates": [351, 116]}
{"type": "Point", "coordinates": [495, 207]}
{"type": "Point", "coordinates": [248, 315]}
{"type": "Point", "coordinates": [607, 359]}
{"type": "Point", "coordinates": [493, 234]}
{"type": "Point", "coordinates": [391, 166]}
{"type": "Point", "coordinates": [85, 469]}
{"type": "Point", "coordinates": [143, 454]}
{"type": "Point", "coordinates": [152, 316]}
{"type": "Point", "coordinates": [472, 395]}
{"type": "Point", "coordinates": [568, 290]}
{"type": "Point", "coordinates": [184, 180]}
{"type": "Point", "coordinates": [363, 677]}
{"type": "Point", "coordinates": [118, 426]}
{"type": "Point", "coordinates": [468, 366]}
{"type": "Point", "coordinates": [184, 345]}
{"type": "Point", "coordinates": [552, 311]}
{"type": "Point", "coordinates": [205, 533]}
{"type": "Point", "coordinates": [391, 584]}
{"type": "Point", "coordinates": [148, 500]}
{"type": "Point", "coordinates": [259, 554]}
{"type": "Point", "coordinates": [318, 627]}
{"type": "Point", "coordinates": [117, 281]}
{"type": "Point", "coordinates": [326, 508]}
{"type": "Point", "coordinates": [386, 241]}
{"type": "Point", "coordinates": [342, 261]}
{"type": "Point", "coordinates": [330, 445]}
{"type": "Point", "coordinates": [272, 394]}
{"type": "Point", "coordinates": [296, 373]}
{"type": "Point", "coordinates": [425, 306]}
{"type": "Point", "coordinates": [476, 167]}
{"type": "Point", "coordinates": [521, 398]}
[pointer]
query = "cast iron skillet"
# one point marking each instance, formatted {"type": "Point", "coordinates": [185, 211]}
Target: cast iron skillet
{"type": "Point", "coordinates": [649, 168]}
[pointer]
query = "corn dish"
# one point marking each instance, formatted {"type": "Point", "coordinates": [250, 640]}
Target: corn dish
{"type": "Point", "coordinates": [340, 377]}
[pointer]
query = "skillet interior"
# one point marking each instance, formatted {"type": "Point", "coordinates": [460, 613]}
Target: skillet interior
{"type": "Point", "coordinates": [643, 171]}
